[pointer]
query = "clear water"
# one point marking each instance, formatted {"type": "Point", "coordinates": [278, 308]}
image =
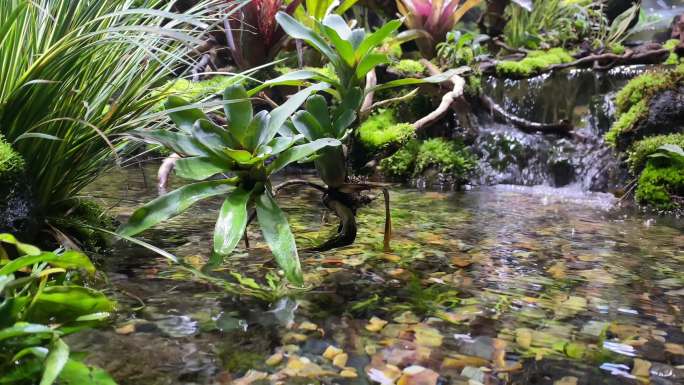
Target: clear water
{"type": "Point", "coordinates": [504, 285]}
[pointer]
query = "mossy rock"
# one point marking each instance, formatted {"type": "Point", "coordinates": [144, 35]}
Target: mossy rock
{"type": "Point", "coordinates": [381, 130]}
{"type": "Point", "coordinates": [439, 154]}
{"type": "Point", "coordinates": [651, 104]}
{"type": "Point", "coordinates": [534, 63]}
{"type": "Point", "coordinates": [640, 151]}
{"type": "Point", "coordinates": [16, 205]}
{"type": "Point", "coordinates": [661, 185]}
{"type": "Point", "coordinates": [11, 163]}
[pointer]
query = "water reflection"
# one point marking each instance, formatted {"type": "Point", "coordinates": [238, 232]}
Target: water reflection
{"type": "Point", "coordinates": [528, 283]}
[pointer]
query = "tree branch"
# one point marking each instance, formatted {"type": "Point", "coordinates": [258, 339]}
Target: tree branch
{"type": "Point", "coordinates": [457, 82]}
{"type": "Point", "coordinates": [561, 128]}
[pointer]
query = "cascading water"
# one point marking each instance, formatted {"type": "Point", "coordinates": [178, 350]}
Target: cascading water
{"type": "Point", "coordinates": [584, 161]}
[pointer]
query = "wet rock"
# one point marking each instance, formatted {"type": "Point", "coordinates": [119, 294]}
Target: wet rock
{"type": "Point", "coordinates": [16, 208]}
{"type": "Point", "coordinates": [665, 116]}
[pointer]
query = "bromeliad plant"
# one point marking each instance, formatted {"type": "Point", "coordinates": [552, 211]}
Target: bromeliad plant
{"type": "Point", "coordinates": [353, 54]}
{"type": "Point", "coordinates": [41, 300]}
{"type": "Point", "coordinates": [244, 155]}
{"type": "Point", "coordinates": [433, 19]}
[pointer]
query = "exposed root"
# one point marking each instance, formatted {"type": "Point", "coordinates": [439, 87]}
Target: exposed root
{"type": "Point", "coordinates": [164, 171]}
{"type": "Point", "coordinates": [561, 128]}
{"type": "Point", "coordinates": [456, 93]}
{"type": "Point", "coordinates": [346, 232]}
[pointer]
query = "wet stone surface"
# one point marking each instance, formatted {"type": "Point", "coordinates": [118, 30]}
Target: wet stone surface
{"type": "Point", "coordinates": [501, 285]}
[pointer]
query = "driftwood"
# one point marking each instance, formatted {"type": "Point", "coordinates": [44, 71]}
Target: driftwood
{"type": "Point", "coordinates": [448, 99]}
{"type": "Point", "coordinates": [563, 127]}
{"type": "Point", "coordinates": [647, 54]}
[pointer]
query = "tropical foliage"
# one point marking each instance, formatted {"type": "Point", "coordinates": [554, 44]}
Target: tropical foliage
{"type": "Point", "coordinates": [252, 148]}
{"type": "Point", "coordinates": [74, 75]}
{"type": "Point", "coordinates": [433, 19]}
{"type": "Point", "coordinates": [43, 299]}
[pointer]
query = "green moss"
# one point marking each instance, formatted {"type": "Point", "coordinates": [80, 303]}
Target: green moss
{"type": "Point", "coordinates": [535, 62]}
{"type": "Point", "coordinates": [391, 47]}
{"type": "Point", "coordinates": [408, 67]}
{"type": "Point", "coordinates": [11, 163]}
{"type": "Point", "coordinates": [473, 85]}
{"type": "Point", "coordinates": [657, 185]}
{"type": "Point", "coordinates": [382, 129]}
{"type": "Point", "coordinates": [632, 101]}
{"type": "Point", "coordinates": [402, 162]}
{"type": "Point", "coordinates": [639, 152]}
{"type": "Point", "coordinates": [671, 45]}
{"type": "Point", "coordinates": [616, 48]}
{"type": "Point", "coordinates": [447, 156]}
{"type": "Point", "coordinates": [627, 121]}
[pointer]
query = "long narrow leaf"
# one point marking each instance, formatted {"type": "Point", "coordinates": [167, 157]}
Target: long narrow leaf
{"type": "Point", "coordinates": [173, 203]}
{"type": "Point", "coordinates": [300, 152]}
{"type": "Point", "coordinates": [231, 223]}
{"type": "Point", "coordinates": [279, 237]}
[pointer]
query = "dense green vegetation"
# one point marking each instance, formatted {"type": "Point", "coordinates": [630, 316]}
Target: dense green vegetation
{"type": "Point", "coordinates": [234, 95]}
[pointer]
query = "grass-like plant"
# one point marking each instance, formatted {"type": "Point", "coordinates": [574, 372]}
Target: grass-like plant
{"type": "Point", "coordinates": [74, 75]}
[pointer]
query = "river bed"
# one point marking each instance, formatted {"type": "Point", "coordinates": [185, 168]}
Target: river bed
{"type": "Point", "coordinates": [495, 285]}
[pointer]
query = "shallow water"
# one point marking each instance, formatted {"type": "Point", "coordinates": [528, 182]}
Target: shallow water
{"type": "Point", "coordinates": [501, 285]}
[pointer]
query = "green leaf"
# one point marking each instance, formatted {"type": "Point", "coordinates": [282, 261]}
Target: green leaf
{"type": "Point", "coordinates": [337, 24]}
{"type": "Point", "coordinates": [64, 304]}
{"type": "Point", "coordinates": [23, 329]}
{"type": "Point", "coordinates": [300, 152]}
{"type": "Point", "coordinates": [199, 167]}
{"type": "Point", "coordinates": [318, 107]}
{"type": "Point", "coordinates": [410, 81]}
{"type": "Point", "coordinates": [343, 47]}
{"type": "Point", "coordinates": [369, 62]}
{"type": "Point", "coordinates": [279, 237]}
{"type": "Point", "coordinates": [284, 111]}
{"type": "Point", "coordinates": [282, 143]}
{"type": "Point", "coordinates": [69, 259]}
{"type": "Point", "coordinates": [258, 130]}
{"type": "Point", "coordinates": [186, 116]}
{"type": "Point", "coordinates": [672, 148]}
{"type": "Point", "coordinates": [240, 156]}
{"type": "Point", "coordinates": [231, 223]}
{"type": "Point", "coordinates": [24, 248]}
{"type": "Point", "coordinates": [55, 361]}
{"type": "Point", "coordinates": [297, 30]}
{"type": "Point", "coordinates": [343, 122]}
{"type": "Point", "coordinates": [78, 373]}
{"type": "Point", "coordinates": [238, 110]}
{"type": "Point", "coordinates": [308, 125]}
{"type": "Point", "coordinates": [9, 21]}
{"type": "Point", "coordinates": [179, 143]}
{"type": "Point", "coordinates": [174, 203]}
{"type": "Point", "coordinates": [346, 4]}
{"type": "Point", "coordinates": [375, 39]}
{"type": "Point", "coordinates": [212, 137]}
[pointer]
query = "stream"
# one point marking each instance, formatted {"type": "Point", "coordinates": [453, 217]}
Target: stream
{"type": "Point", "coordinates": [495, 285]}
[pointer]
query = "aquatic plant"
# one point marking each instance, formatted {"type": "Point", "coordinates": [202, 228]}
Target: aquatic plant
{"type": "Point", "coordinates": [382, 129]}
{"type": "Point", "coordinates": [642, 149]}
{"type": "Point", "coordinates": [43, 300]}
{"type": "Point", "coordinates": [433, 19]}
{"type": "Point", "coordinates": [248, 148]}
{"type": "Point", "coordinates": [74, 75]}
{"type": "Point", "coordinates": [533, 63]}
